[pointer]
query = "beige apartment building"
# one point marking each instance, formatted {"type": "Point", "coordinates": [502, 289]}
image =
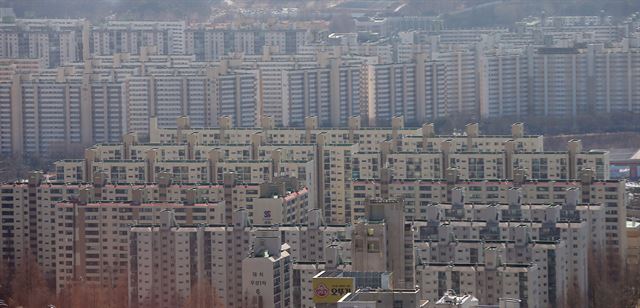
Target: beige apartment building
{"type": "Point", "coordinates": [89, 239]}
{"type": "Point", "coordinates": [492, 281]}
{"type": "Point", "coordinates": [209, 264]}
{"type": "Point", "coordinates": [316, 188]}
{"type": "Point", "coordinates": [106, 97]}
{"type": "Point", "coordinates": [56, 41]}
{"type": "Point", "coordinates": [152, 251]}
{"type": "Point", "coordinates": [607, 198]}
{"type": "Point", "coordinates": [266, 273]}
{"type": "Point", "coordinates": [45, 203]}
{"type": "Point", "coordinates": [339, 157]}
{"type": "Point", "coordinates": [383, 242]}
{"type": "Point", "coordinates": [454, 261]}
{"type": "Point", "coordinates": [91, 243]}
{"type": "Point", "coordinates": [245, 265]}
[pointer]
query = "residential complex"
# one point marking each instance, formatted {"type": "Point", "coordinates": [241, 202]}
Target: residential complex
{"type": "Point", "coordinates": [69, 83]}
{"type": "Point", "coordinates": [283, 163]}
{"type": "Point", "coordinates": [254, 214]}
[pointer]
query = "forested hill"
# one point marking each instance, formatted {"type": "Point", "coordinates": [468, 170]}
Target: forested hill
{"type": "Point", "coordinates": [124, 9]}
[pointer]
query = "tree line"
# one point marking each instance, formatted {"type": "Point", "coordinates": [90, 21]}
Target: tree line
{"type": "Point", "coordinates": [26, 286]}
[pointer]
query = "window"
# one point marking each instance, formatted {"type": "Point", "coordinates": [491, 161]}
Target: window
{"type": "Point", "coordinates": [539, 168]}
{"type": "Point", "coordinates": [373, 247]}
{"type": "Point", "coordinates": [476, 168]}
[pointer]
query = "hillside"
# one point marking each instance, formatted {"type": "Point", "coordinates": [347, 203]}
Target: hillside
{"type": "Point", "coordinates": [124, 9]}
{"type": "Point", "coordinates": [617, 140]}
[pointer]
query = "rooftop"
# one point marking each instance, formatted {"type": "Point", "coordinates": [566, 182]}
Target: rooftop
{"type": "Point", "coordinates": [633, 224]}
{"type": "Point", "coordinates": [624, 154]}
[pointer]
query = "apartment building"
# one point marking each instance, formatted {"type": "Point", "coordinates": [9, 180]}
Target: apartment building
{"type": "Point", "coordinates": [10, 67]}
{"type": "Point", "coordinates": [331, 94]}
{"type": "Point", "coordinates": [606, 195]}
{"type": "Point", "coordinates": [559, 241]}
{"type": "Point", "coordinates": [215, 203]}
{"type": "Point", "coordinates": [80, 220]}
{"type": "Point", "coordinates": [55, 41]}
{"type": "Point", "coordinates": [206, 95]}
{"type": "Point", "coordinates": [367, 137]}
{"type": "Point", "coordinates": [361, 153]}
{"type": "Point", "coordinates": [418, 90]}
{"type": "Point", "coordinates": [152, 252]}
{"type": "Point", "coordinates": [156, 161]}
{"type": "Point", "coordinates": [302, 283]}
{"type": "Point", "coordinates": [559, 81]}
{"type": "Point", "coordinates": [384, 242]}
{"type": "Point", "coordinates": [93, 102]}
{"type": "Point", "coordinates": [271, 68]}
{"type": "Point", "coordinates": [62, 41]}
{"type": "Point", "coordinates": [121, 92]}
{"type": "Point", "coordinates": [213, 44]}
{"type": "Point", "coordinates": [335, 87]}
{"type": "Point", "coordinates": [91, 242]}
{"type": "Point", "coordinates": [167, 37]}
{"type": "Point", "coordinates": [254, 275]}
{"type": "Point", "coordinates": [506, 280]}
{"type": "Point", "coordinates": [52, 112]}
{"type": "Point", "coordinates": [461, 78]}
{"type": "Point", "coordinates": [313, 185]}
{"type": "Point", "coordinates": [266, 273]}
{"type": "Point", "coordinates": [310, 241]}
{"type": "Point", "coordinates": [208, 264]}
{"type": "Point", "coordinates": [481, 72]}
{"type": "Point", "coordinates": [507, 88]}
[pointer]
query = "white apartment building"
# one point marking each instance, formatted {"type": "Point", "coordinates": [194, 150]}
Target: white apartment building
{"type": "Point", "coordinates": [93, 102]}
{"type": "Point", "coordinates": [555, 81]}
{"type": "Point", "coordinates": [417, 90]}
{"type": "Point", "coordinates": [167, 37]}
{"type": "Point", "coordinates": [212, 44]}
{"type": "Point", "coordinates": [331, 94]}
{"type": "Point", "coordinates": [206, 175]}
{"type": "Point", "coordinates": [47, 109]}
{"type": "Point", "coordinates": [152, 253]}
{"type": "Point", "coordinates": [461, 79]}
{"type": "Point", "coordinates": [489, 282]}
{"type": "Point", "coordinates": [56, 41]}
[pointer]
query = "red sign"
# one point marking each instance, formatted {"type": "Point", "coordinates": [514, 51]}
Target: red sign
{"type": "Point", "coordinates": [322, 290]}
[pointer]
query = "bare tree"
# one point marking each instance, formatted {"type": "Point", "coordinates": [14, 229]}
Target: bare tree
{"type": "Point", "coordinates": [5, 278]}
{"type": "Point", "coordinates": [12, 168]}
{"type": "Point", "coordinates": [28, 287]}
{"type": "Point", "coordinates": [574, 294]}
{"type": "Point", "coordinates": [80, 294]}
{"type": "Point", "coordinates": [203, 295]}
{"type": "Point", "coordinates": [612, 283]}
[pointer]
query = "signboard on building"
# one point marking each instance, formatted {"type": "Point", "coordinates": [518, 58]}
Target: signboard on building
{"type": "Point", "coordinates": [328, 290]}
